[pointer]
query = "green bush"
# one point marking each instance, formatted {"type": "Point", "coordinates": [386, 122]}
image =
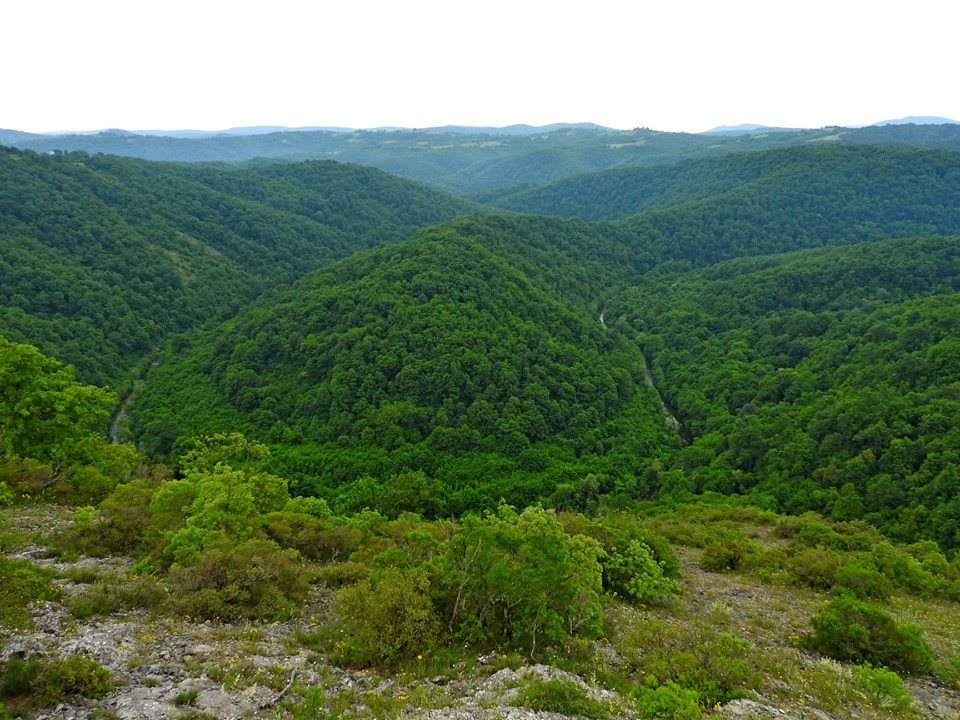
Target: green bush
{"type": "Point", "coordinates": [563, 697]}
{"type": "Point", "coordinates": [696, 657]}
{"type": "Point", "coordinates": [387, 619]}
{"type": "Point", "coordinates": [637, 575]}
{"type": "Point", "coordinates": [864, 582]}
{"type": "Point", "coordinates": [250, 579]}
{"type": "Point", "coordinates": [850, 630]}
{"type": "Point", "coordinates": [59, 679]}
{"type": "Point", "coordinates": [21, 583]}
{"type": "Point", "coordinates": [112, 594]}
{"type": "Point", "coordinates": [17, 677]}
{"type": "Point", "coordinates": [667, 702]}
{"type": "Point", "coordinates": [816, 567]}
{"type": "Point", "coordinates": [726, 553]}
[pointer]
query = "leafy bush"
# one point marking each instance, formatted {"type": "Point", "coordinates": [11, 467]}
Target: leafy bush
{"type": "Point", "coordinates": [667, 702]}
{"type": "Point", "coordinates": [21, 583]}
{"type": "Point", "coordinates": [637, 575]}
{"type": "Point", "coordinates": [250, 579]}
{"type": "Point", "coordinates": [518, 579]}
{"type": "Point", "coordinates": [43, 683]}
{"type": "Point", "coordinates": [816, 567]}
{"type": "Point", "coordinates": [850, 630]}
{"type": "Point", "coordinates": [726, 553]}
{"type": "Point", "coordinates": [695, 657]}
{"type": "Point", "coordinates": [563, 697]}
{"type": "Point", "coordinates": [387, 619]}
{"type": "Point", "coordinates": [111, 595]}
{"type": "Point", "coordinates": [17, 677]}
{"type": "Point", "coordinates": [862, 581]}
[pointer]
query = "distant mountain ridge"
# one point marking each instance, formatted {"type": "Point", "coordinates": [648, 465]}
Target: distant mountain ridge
{"type": "Point", "coordinates": [918, 120]}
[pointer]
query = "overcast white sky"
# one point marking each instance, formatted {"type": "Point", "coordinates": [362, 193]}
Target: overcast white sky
{"type": "Point", "coordinates": [685, 65]}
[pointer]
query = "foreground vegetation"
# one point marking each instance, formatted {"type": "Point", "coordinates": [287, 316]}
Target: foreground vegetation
{"type": "Point", "coordinates": [670, 611]}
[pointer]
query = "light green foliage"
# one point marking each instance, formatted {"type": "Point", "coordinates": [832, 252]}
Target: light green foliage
{"type": "Point", "coordinates": [727, 552]}
{"type": "Point", "coordinates": [312, 506]}
{"type": "Point", "coordinates": [222, 499]}
{"type": "Point", "coordinates": [313, 706]}
{"type": "Point", "coordinates": [638, 575]}
{"type": "Point", "coordinates": [41, 683]}
{"type": "Point", "coordinates": [668, 701]}
{"type": "Point", "coordinates": [886, 688]}
{"type": "Point", "coordinates": [695, 657]}
{"type": "Point", "coordinates": [44, 413]}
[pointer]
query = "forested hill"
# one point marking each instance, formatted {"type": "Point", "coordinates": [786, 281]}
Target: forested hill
{"type": "Point", "coordinates": [101, 257]}
{"type": "Point", "coordinates": [481, 161]}
{"type": "Point", "coordinates": [433, 356]}
{"type": "Point", "coordinates": [910, 184]}
{"type": "Point", "coordinates": [823, 380]}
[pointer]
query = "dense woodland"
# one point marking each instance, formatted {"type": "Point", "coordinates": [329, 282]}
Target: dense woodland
{"type": "Point", "coordinates": [482, 418]}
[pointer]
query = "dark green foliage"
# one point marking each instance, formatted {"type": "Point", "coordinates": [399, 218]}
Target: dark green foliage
{"type": "Point", "coordinates": [102, 258]}
{"type": "Point", "coordinates": [824, 380]}
{"type": "Point", "coordinates": [759, 203]}
{"type": "Point", "coordinates": [850, 630]}
{"type": "Point", "coordinates": [429, 376]}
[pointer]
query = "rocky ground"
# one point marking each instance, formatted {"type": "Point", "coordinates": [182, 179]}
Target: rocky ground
{"type": "Point", "coordinates": [168, 667]}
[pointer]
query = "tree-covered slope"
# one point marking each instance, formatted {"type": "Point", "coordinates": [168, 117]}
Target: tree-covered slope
{"type": "Point", "coordinates": [824, 380]}
{"type": "Point", "coordinates": [101, 257]}
{"type": "Point", "coordinates": [480, 161]}
{"type": "Point", "coordinates": [432, 355]}
{"type": "Point", "coordinates": [811, 186]}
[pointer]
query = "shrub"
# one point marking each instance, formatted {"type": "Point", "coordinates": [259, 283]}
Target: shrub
{"type": "Point", "coordinates": [21, 583]}
{"type": "Point", "coordinates": [862, 581]}
{"type": "Point", "coordinates": [816, 567]}
{"type": "Point", "coordinates": [667, 702]}
{"type": "Point", "coordinates": [563, 697]}
{"type": "Point", "coordinates": [726, 553]}
{"type": "Point", "coordinates": [636, 575]}
{"type": "Point", "coordinates": [850, 630]}
{"type": "Point", "coordinates": [112, 595]}
{"type": "Point", "coordinates": [697, 658]}
{"type": "Point", "coordinates": [387, 619]}
{"type": "Point", "coordinates": [250, 579]}
{"type": "Point", "coordinates": [17, 677]}
{"type": "Point", "coordinates": [60, 679]}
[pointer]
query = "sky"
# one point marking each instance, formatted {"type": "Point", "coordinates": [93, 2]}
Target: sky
{"type": "Point", "coordinates": [680, 65]}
